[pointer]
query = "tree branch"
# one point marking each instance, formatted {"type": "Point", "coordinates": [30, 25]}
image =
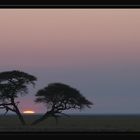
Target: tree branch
{"type": "Point", "coordinates": [6, 106]}
{"type": "Point", "coordinates": [3, 104]}
{"type": "Point", "coordinates": [64, 114]}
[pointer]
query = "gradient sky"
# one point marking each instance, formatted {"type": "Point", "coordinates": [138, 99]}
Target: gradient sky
{"type": "Point", "coordinates": [96, 51]}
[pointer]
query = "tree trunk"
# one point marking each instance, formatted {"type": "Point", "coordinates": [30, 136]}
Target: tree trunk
{"type": "Point", "coordinates": [47, 114]}
{"type": "Point", "coordinates": [18, 113]}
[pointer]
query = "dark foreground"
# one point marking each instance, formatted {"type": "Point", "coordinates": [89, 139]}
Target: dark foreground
{"type": "Point", "coordinates": [79, 123]}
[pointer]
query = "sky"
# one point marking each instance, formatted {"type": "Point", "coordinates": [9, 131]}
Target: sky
{"type": "Point", "coordinates": [96, 51]}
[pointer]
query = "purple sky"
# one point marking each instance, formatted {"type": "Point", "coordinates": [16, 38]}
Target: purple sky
{"type": "Point", "coordinates": [96, 51]}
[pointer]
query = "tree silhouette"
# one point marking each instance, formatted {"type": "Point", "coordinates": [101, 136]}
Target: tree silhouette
{"type": "Point", "coordinates": [59, 97]}
{"type": "Point", "coordinates": [13, 83]}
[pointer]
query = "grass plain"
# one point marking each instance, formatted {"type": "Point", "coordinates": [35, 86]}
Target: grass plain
{"type": "Point", "coordinates": [74, 123]}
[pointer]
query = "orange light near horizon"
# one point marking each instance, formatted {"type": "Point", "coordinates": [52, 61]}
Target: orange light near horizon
{"type": "Point", "coordinates": [28, 112]}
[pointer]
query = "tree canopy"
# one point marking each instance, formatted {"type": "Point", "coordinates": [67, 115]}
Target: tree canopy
{"type": "Point", "coordinates": [59, 97]}
{"type": "Point", "coordinates": [13, 83]}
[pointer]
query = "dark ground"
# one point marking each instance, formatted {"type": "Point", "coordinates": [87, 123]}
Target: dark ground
{"type": "Point", "coordinates": [75, 123]}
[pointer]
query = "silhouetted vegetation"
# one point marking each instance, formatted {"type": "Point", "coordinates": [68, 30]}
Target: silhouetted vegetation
{"type": "Point", "coordinates": [59, 97]}
{"type": "Point", "coordinates": [13, 84]}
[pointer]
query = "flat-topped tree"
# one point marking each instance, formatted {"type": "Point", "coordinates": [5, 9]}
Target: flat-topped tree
{"type": "Point", "coordinates": [12, 84]}
{"type": "Point", "coordinates": [59, 97]}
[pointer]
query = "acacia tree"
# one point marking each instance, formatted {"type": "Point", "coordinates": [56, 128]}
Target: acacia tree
{"type": "Point", "coordinates": [59, 97]}
{"type": "Point", "coordinates": [13, 84]}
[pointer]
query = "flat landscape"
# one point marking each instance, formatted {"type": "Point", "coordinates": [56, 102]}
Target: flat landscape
{"type": "Point", "coordinates": [74, 123]}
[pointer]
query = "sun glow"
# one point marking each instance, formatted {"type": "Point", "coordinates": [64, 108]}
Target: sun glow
{"type": "Point", "coordinates": [28, 112]}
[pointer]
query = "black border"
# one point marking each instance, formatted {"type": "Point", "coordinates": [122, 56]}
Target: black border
{"type": "Point", "coordinates": [19, 6]}
{"type": "Point", "coordinates": [69, 4]}
{"type": "Point", "coordinates": [35, 6]}
{"type": "Point", "coordinates": [68, 135]}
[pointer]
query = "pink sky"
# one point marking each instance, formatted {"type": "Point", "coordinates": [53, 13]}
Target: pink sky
{"type": "Point", "coordinates": [51, 37]}
{"type": "Point", "coordinates": [69, 39]}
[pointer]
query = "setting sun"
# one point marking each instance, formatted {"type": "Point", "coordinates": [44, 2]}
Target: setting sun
{"type": "Point", "coordinates": [28, 112]}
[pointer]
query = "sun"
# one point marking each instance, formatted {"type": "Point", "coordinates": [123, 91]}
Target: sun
{"type": "Point", "coordinates": [28, 112]}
